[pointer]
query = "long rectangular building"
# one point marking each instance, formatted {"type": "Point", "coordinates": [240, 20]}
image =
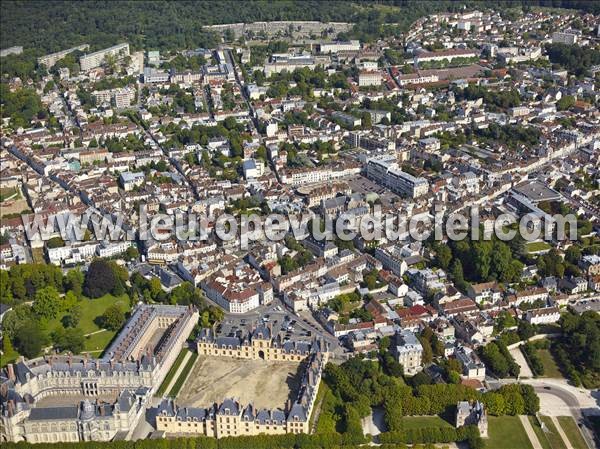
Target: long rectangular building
{"type": "Point", "coordinates": [385, 172]}
{"type": "Point", "coordinates": [93, 60]}
{"type": "Point", "coordinates": [53, 58]}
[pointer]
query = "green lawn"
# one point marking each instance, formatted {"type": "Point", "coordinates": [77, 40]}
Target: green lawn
{"type": "Point", "coordinates": [7, 192]}
{"type": "Point", "coordinates": [9, 357]}
{"type": "Point", "coordinates": [506, 432]}
{"type": "Point", "coordinates": [539, 432]}
{"type": "Point", "coordinates": [572, 431]}
{"type": "Point", "coordinates": [537, 246]}
{"type": "Point", "coordinates": [92, 309]}
{"type": "Point", "coordinates": [98, 342]}
{"type": "Point", "coordinates": [171, 373]}
{"type": "Point", "coordinates": [550, 367]}
{"type": "Point", "coordinates": [419, 422]}
{"type": "Point", "coordinates": [183, 376]}
{"type": "Point", "coordinates": [552, 434]}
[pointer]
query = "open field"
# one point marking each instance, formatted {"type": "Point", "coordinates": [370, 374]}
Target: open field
{"type": "Point", "coordinates": [265, 384]}
{"type": "Point", "coordinates": [552, 434]}
{"type": "Point", "coordinates": [506, 432]}
{"type": "Point", "coordinates": [573, 433]}
{"type": "Point", "coordinates": [534, 247]}
{"type": "Point", "coordinates": [539, 432]}
{"type": "Point", "coordinates": [91, 309]}
{"type": "Point", "coordinates": [9, 193]}
{"type": "Point", "coordinates": [550, 367]}
{"type": "Point", "coordinates": [97, 342]}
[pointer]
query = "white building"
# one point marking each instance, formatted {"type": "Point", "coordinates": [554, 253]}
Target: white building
{"type": "Point", "coordinates": [253, 168]}
{"type": "Point", "coordinates": [369, 78]}
{"type": "Point", "coordinates": [473, 367]}
{"type": "Point", "coordinates": [72, 254]}
{"type": "Point", "coordinates": [545, 315]}
{"type": "Point", "coordinates": [129, 180]}
{"type": "Point", "coordinates": [93, 60]}
{"type": "Point", "coordinates": [409, 352]}
{"type": "Point", "coordinates": [384, 171]}
{"type": "Point", "coordinates": [110, 249]}
{"type": "Point", "coordinates": [336, 46]}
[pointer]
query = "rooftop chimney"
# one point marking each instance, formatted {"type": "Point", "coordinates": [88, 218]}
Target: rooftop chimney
{"type": "Point", "coordinates": [11, 372]}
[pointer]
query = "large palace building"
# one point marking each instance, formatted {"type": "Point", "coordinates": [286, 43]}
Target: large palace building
{"type": "Point", "coordinates": [69, 398]}
{"type": "Point", "coordinates": [258, 344]}
{"type": "Point", "coordinates": [230, 418]}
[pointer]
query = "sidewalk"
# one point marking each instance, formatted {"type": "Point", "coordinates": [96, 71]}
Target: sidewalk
{"type": "Point", "coordinates": [530, 432]}
{"type": "Point", "coordinates": [561, 432]}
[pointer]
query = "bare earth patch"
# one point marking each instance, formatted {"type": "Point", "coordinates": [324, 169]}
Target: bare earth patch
{"type": "Point", "coordinates": [264, 384]}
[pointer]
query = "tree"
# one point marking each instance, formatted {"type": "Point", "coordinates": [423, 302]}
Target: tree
{"type": "Point", "coordinates": [525, 330]}
{"type": "Point", "coordinates": [132, 253]}
{"type": "Point", "coordinates": [443, 256]}
{"type": "Point", "coordinates": [70, 340]}
{"type": "Point", "coordinates": [30, 339]}
{"type": "Point", "coordinates": [427, 356]}
{"type": "Point", "coordinates": [72, 318]}
{"type": "Point", "coordinates": [566, 102]}
{"type": "Point", "coordinates": [7, 347]}
{"type": "Point", "coordinates": [155, 287]}
{"type": "Point", "coordinates": [55, 242]}
{"type": "Point", "coordinates": [365, 118]}
{"type": "Point", "coordinates": [47, 303]}
{"type": "Point", "coordinates": [99, 280]}
{"type": "Point", "coordinates": [6, 296]}
{"type": "Point", "coordinates": [113, 318]}
{"type": "Point", "coordinates": [384, 344]}
{"type": "Point", "coordinates": [186, 294]}
{"type": "Point", "coordinates": [74, 281]}
{"type": "Point", "coordinates": [453, 377]}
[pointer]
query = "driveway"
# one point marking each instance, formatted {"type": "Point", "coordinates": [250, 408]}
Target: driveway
{"type": "Point", "coordinates": [520, 359]}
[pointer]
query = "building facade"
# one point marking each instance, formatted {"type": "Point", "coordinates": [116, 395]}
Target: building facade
{"type": "Point", "coordinates": [231, 419]}
{"type": "Point", "coordinates": [108, 394]}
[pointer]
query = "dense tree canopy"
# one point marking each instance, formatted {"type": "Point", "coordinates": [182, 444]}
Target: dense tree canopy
{"type": "Point", "coordinates": [578, 350]}
{"type": "Point", "coordinates": [57, 25]}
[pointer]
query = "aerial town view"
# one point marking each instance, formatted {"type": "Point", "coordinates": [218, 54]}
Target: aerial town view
{"type": "Point", "coordinates": [300, 224]}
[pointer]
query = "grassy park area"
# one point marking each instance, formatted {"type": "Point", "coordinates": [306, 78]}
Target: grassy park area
{"type": "Point", "coordinates": [550, 367]}
{"type": "Point", "coordinates": [541, 435]}
{"type": "Point", "coordinates": [534, 247]}
{"type": "Point", "coordinates": [552, 434]}
{"type": "Point", "coordinates": [506, 432]}
{"type": "Point", "coordinates": [91, 310]}
{"type": "Point", "coordinates": [96, 338]}
{"type": "Point", "coordinates": [572, 431]}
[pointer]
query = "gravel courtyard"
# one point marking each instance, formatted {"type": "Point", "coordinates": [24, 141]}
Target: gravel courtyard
{"type": "Point", "coordinates": [265, 384]}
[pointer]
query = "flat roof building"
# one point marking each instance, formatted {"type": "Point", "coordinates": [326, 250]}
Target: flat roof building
{"type": "Point", "coordinates": [95, 59]}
